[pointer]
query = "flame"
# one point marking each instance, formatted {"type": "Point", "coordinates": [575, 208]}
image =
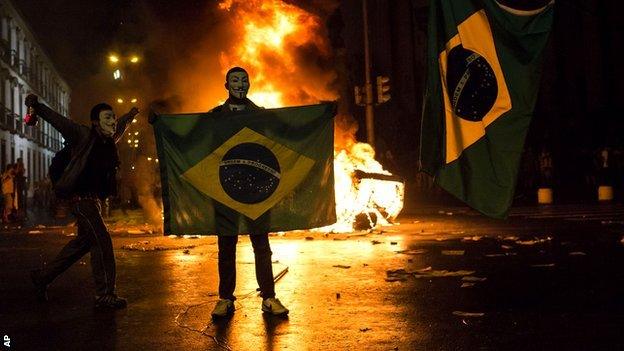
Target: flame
{"type": "Point", "coordinates": [281, 45]}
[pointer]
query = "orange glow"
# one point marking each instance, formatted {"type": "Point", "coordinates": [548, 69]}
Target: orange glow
{"type": "Point", "coordinates": [274, 45]}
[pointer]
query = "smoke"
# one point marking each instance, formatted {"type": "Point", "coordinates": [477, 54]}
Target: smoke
{"type": "Point", "coordinates": [284, 45]}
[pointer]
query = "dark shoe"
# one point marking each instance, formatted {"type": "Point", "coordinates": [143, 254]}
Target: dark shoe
{"type": "Point", "coordinates": [41, 288]}
{"type": "Point", "coordinates": [274, 307]}
{"type": "Point", "coordinates": [110, 301]}
{"type": "Point", "coordinates": [223, 308]}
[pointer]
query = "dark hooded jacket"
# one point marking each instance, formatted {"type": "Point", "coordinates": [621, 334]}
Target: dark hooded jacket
{"type": "Point", "coordinates": [81, 140]}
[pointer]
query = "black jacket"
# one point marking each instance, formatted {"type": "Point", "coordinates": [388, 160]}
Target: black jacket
{"type": "Point", "coordinates": [81, 139]}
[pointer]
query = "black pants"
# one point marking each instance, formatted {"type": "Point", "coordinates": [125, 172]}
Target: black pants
{"type": "Point", "coordinates": [92, 237]}
{"type": "Point", "coordinates": [227, 265]}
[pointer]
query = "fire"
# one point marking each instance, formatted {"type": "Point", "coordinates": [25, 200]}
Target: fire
{"type": "Point", "coordinates": [285, 50]}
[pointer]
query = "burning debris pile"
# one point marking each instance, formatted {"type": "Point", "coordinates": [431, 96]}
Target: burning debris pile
{"type": "Point", "coordinates": [286, 51]}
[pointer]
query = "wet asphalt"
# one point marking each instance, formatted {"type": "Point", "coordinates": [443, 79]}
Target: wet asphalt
{"type": "Point", "coordinates": [443, 280]}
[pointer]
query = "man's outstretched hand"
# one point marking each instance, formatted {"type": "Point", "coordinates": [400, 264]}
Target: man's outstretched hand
{"type": "Point", "coordinates": [133, 112]}
{"type": "Point", "coordinates": [31, 100]}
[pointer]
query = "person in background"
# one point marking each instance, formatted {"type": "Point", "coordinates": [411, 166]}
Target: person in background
{"type": "Point", "coordinates": [21, 189]}
{"type": "Point", "coordinates": [8, 192]}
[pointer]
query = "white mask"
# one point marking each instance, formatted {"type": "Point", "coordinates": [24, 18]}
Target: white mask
{"type": "Point", "coordinates": [107, 122]}
{"type": "Point", "coordinates": [238, 84]}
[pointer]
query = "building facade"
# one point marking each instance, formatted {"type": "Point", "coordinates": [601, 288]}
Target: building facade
{"type": "Point", "coordinates": [26, 69]}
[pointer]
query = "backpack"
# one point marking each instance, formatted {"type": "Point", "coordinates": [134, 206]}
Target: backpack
{"type": "Point", "coordinates": [59, 162]}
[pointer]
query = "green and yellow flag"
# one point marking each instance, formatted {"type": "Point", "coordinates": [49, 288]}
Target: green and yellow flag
{"type": "Point", "coordinates": [237, 172]}
{"type": "Point", "coordinates": [483, 63]}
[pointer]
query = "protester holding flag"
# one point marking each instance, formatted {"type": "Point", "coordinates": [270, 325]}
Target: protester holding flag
{"type": "Point", "coordinates": [483, 62]}
{"type": "Point", "coordinates": [244, 169]}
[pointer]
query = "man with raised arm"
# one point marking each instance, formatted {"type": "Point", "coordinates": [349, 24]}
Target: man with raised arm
{"type": "Point", "coordinates": [86, 171]}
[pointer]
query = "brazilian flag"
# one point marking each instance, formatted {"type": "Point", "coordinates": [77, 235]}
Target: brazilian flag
{"type": "Point", "coordinates": [483, 62]}
{"type": "Point", "coordinates": [245, 172]}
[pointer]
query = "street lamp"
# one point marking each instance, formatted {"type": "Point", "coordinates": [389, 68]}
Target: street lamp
{"type": "Point", "coordinates": [113, 58]}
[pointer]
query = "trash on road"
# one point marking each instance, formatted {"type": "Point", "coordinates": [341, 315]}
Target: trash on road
{"type": "Point", "coordinates": [412, 252]}
{"type": "Point", "coordinates": [534, 241]}
{"type": "Point", "coordinates": [363, 330]}
{"type": "Point", "coordinates": [501, 254]}
{"type": "Point", "coordinates": [309, 238]}
{"type": "Point", "coordinates": [147, 246]}
{"type": "Point", "coordinates": [397, 275]}
{"type": "Point", "coordinates": [473, 279]}
{"type": "Point", "coordinates": [431, 273]}
{"type": "Point", "coordinates": [577, 253]}
{"type": "Point", "coordinates": [543, 265]}
{"type": "Point", "coordinates": [453, 252]}
{"type": "Point", "coordinates": [468, 314]}
{"type": "Point", "coordinates": [341, 266]}
{"type": "Point", "coordinates": [375, 242]}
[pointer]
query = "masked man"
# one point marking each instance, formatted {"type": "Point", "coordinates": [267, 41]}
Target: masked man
{"type": "Point", "coordinates": [237, 84]}
{"type": "Point", "coordinates": [87, 180]}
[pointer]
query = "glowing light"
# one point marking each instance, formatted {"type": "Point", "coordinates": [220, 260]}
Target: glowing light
{"type": "Point", "coordinates": [136, 141]}
{"type": "Point", "coordinates": [117, 74]}
{"type": "Point", "coordinates": [134, 121]}
{"type": "Point", "coordinates": [149, 158]}
{"type": "Point", "coordinates": [120, 101]}
{"type": "Point", "coordinates": [134, 100]}
{"type": "Point", "coordinates": [129, 141]}
{"type": "Point", "coordinates": [113, 58]}
{"type": "Point", "coordinates": [134, 59]}
{"type": "Point", "coordinates": [136, 133]}
{"type": "Point", "coordinates": [268, 33]}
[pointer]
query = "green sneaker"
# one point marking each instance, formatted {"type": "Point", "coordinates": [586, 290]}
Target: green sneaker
{"type": "Point", "coordinates": [274, 307]}
{"type": "Point", "coordinates": [223, 308]}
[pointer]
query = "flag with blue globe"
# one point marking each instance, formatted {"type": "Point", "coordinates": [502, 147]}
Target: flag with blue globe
{"type": "Point", "coordinates": [224, 171]}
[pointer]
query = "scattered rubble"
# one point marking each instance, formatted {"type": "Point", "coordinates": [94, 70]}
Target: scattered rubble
{"type": "Point", "coordinates": [148, 246]}
{"type": "Point", "coordinates": [430, 273]}
{"type": "Point", "coordinates": [577, 253]}
{"type": "Point", "coordinates": [468, 314]}
{"type": "Point", "coordinates": [534, 241]}
{"type": "Point", "coordinates": [453, 252]}
{"type": "Point", "coordinates": [412, 252]}
{"type": "Point", "coordinates": [473, 279]}
{"type": "Point", "coordinates": [543, 265]}
{"type": "Point", "coordinates": [341, 266]}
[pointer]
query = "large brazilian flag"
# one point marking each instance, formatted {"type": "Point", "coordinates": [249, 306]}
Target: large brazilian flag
{"type": "Point", "coordinates": [247, 172]}
{"type": "Point", "coordinates": [483, 61]}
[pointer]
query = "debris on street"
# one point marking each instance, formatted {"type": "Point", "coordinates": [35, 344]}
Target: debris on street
{"type": "Point", "coordinates": [412, 252]}
{"type": "Point", "coordinates": [468, 314]}
{"type": "Point", "coordinates": [543, 265]}
{"type": "Point", "coordinates": [533, 241]}
{"type": "Point", "coordinates": [453, 252]}
{"type": "Point", "coordinates": [577, 253]}
{"type": "Point", "coordinates": [341, 266]}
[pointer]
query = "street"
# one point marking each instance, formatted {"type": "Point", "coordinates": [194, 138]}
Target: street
{"type": "Point", "coordinates": [443, 279]}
